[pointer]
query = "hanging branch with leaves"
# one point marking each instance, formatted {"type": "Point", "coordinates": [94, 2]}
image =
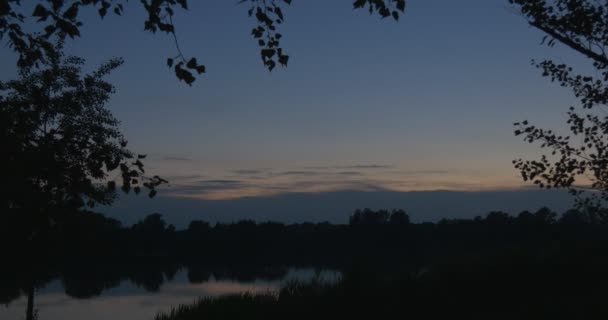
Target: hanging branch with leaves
{"type": "Point", "coordinates": [61, 19]}
{"type": "Point", "coordinates": [577, 162]}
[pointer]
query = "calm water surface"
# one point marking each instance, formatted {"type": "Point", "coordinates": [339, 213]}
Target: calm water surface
{"type": "Point", "coordinates": [132, 302]}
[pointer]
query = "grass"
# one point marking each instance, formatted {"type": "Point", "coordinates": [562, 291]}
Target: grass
{"type": "Point", "coordinates": [476, 290]}
{"type": "Point", "coordinates": [295, 299]}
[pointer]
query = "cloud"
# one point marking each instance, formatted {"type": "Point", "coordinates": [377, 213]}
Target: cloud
{"type": "Point", "coordinates": [247, 171]}
{"type": "Point", "coordinates": [357, 166]}
{"type": "Point", "coordinates": [427, 172]}
{"type": "Point", "coordinates": [299, 173]}
{"type": "Point", "coordinates": [224, 189]}
{"type": "Point", "coordinates": [170, 158]}
{"type": "Point", "coordinates": [183, 177]}
{"type": "Point", "coordinates": [205, 186]}
{"type": "Point", "coordinates": [222, 182]}
{"type": "Point", "coordinates": [366, 166]}
{"type": "Point", "coordinates": [267, 182]}
{"type": "Point", "coordinates": [349, 173]}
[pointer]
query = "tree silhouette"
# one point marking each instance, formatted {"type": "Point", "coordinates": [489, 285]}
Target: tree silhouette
{"type": "Point", "coordinates": [545, 216]}
{"type": "Point", "coordinates": [576, 218]}
{"type": "Point", "coordinates": [577, 162]}
{"type": "Point", "coordinates": [399, 217]}
{"type": "Point", "coordinates": [60, 144]}
{"type": "Point", "coordinates": [381, 217]}
{"type": "Point", "coordinates": [498, 218]}
{"type": "Point", "coordinates": [61, 147]}
{"type": "Point", "coordinates": [525, 218]}
{"type": "Point", "coordinates": [62, 19]}
{"type": "Point", "coordinates": [153, 224]}
{"type": "Point", "coordinates": [198, 226]}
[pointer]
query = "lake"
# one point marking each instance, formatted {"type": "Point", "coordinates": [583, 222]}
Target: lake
{"type": "Point", "coordinates": [134, 300]}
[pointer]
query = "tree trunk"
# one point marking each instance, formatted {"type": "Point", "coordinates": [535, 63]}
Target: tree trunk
{"type": "Point", "coordinates": [30, 304]}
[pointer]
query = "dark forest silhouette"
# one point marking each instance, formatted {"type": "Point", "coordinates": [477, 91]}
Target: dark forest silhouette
{"type": "Point", "coordinates": [378, 249]}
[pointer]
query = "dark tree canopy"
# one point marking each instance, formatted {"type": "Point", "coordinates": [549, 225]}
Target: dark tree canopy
{"type": "Point", "coordinates": [380, 217]}
{"type": "Point", "coordinates": [579, 161]}
{"type": "Point", "coordinates": [152, 224]}
{"type": "Point", "coordinates": [59, 142]}
{"type": "Point", "coordinates": [61, 19]}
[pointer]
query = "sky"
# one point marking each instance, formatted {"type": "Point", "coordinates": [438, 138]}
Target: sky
{"type": "Point", "coordinates": [366, 107]}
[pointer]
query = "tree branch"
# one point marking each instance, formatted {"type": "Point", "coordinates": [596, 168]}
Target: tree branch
{"type": "Point", "coordinates": [570, 43]}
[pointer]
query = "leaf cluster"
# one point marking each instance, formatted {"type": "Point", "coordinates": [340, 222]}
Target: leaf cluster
{"type": "Point", "coordinates": [579, 161]}
{"type": "Point", "coordinates": [268, 15]}
{"type": "Point", "coordinates": [385, 8]}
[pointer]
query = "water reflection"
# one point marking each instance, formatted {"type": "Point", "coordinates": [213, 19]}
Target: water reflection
{"type": "Point", "coordinates": [133, 299]}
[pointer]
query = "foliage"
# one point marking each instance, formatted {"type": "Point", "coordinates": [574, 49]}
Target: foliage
{"type": "Point", "coordinates": [384, 8]}
{"type": "Point", "coordinates": [59, 141]}
{"type": "Point", "coordinates": [153, 225]}
{"type": "Point", "coordinates": [62, 19]}
{"type": "Point", "coordinates": [577, 162]}
{"type": "Point", "coordinates": [380, 217]}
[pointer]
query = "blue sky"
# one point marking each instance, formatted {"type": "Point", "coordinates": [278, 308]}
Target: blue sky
{"type": "Point", "coordinates": [366, 104]}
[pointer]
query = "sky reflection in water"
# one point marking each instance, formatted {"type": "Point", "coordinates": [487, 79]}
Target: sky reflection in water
{"type": "Point", "coordinates": [130, 302]}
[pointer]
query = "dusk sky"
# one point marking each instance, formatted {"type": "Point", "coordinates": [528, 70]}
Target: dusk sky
{"type": "Point", "coordinates": [366, 104]}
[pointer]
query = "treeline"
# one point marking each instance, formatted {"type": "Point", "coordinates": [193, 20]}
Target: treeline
{"type": "Point", "coordinates": [543, 216]}
{"type": "Point", "coordinates": [85, 235]}
{"type": "Point", "coordinates": [86, 247]}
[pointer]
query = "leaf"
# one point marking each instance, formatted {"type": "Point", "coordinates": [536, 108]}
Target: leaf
{"type": "Point", "coordinates": [152, 193]}
{"type": "Point", "coordinates": [385, 12]}
{"type": "Point", "coordinates": [401, 5]}
{"type": "Point", "coordinates": [41, 12]}
{"type": "Point", "coordinates": [279, 13]}
{"type": "Point", "coordinates": [126, 188]}
{"type": "Point", "coordinates": [192, 63]}
{"type": "Point", "coordinates": [50, 29]}
{"type": "Point", "coordinates": [183, 3]}
{"type": "Point", "coordinates": [283, 59]}
{"type": "Point", "coordinates": [68, 28]}
{"type": "Point", "coordinates": [183, 74]}
{"type": "Point", "coordinates": [271, 64]}
{"type": "Point", "coordinates": [166, 27]}
{"type": "Point", "coordinates": [72, 12]}
{"type": "Point", "coordinates": [200, 69]}
{"type": "Point", "coordinates": [359, 4]}
{"type": "Point", "coordinates": [267, 53]}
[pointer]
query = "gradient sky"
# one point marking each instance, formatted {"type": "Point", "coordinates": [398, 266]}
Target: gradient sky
{"type": "Point", "coordinates": [426, 103]}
